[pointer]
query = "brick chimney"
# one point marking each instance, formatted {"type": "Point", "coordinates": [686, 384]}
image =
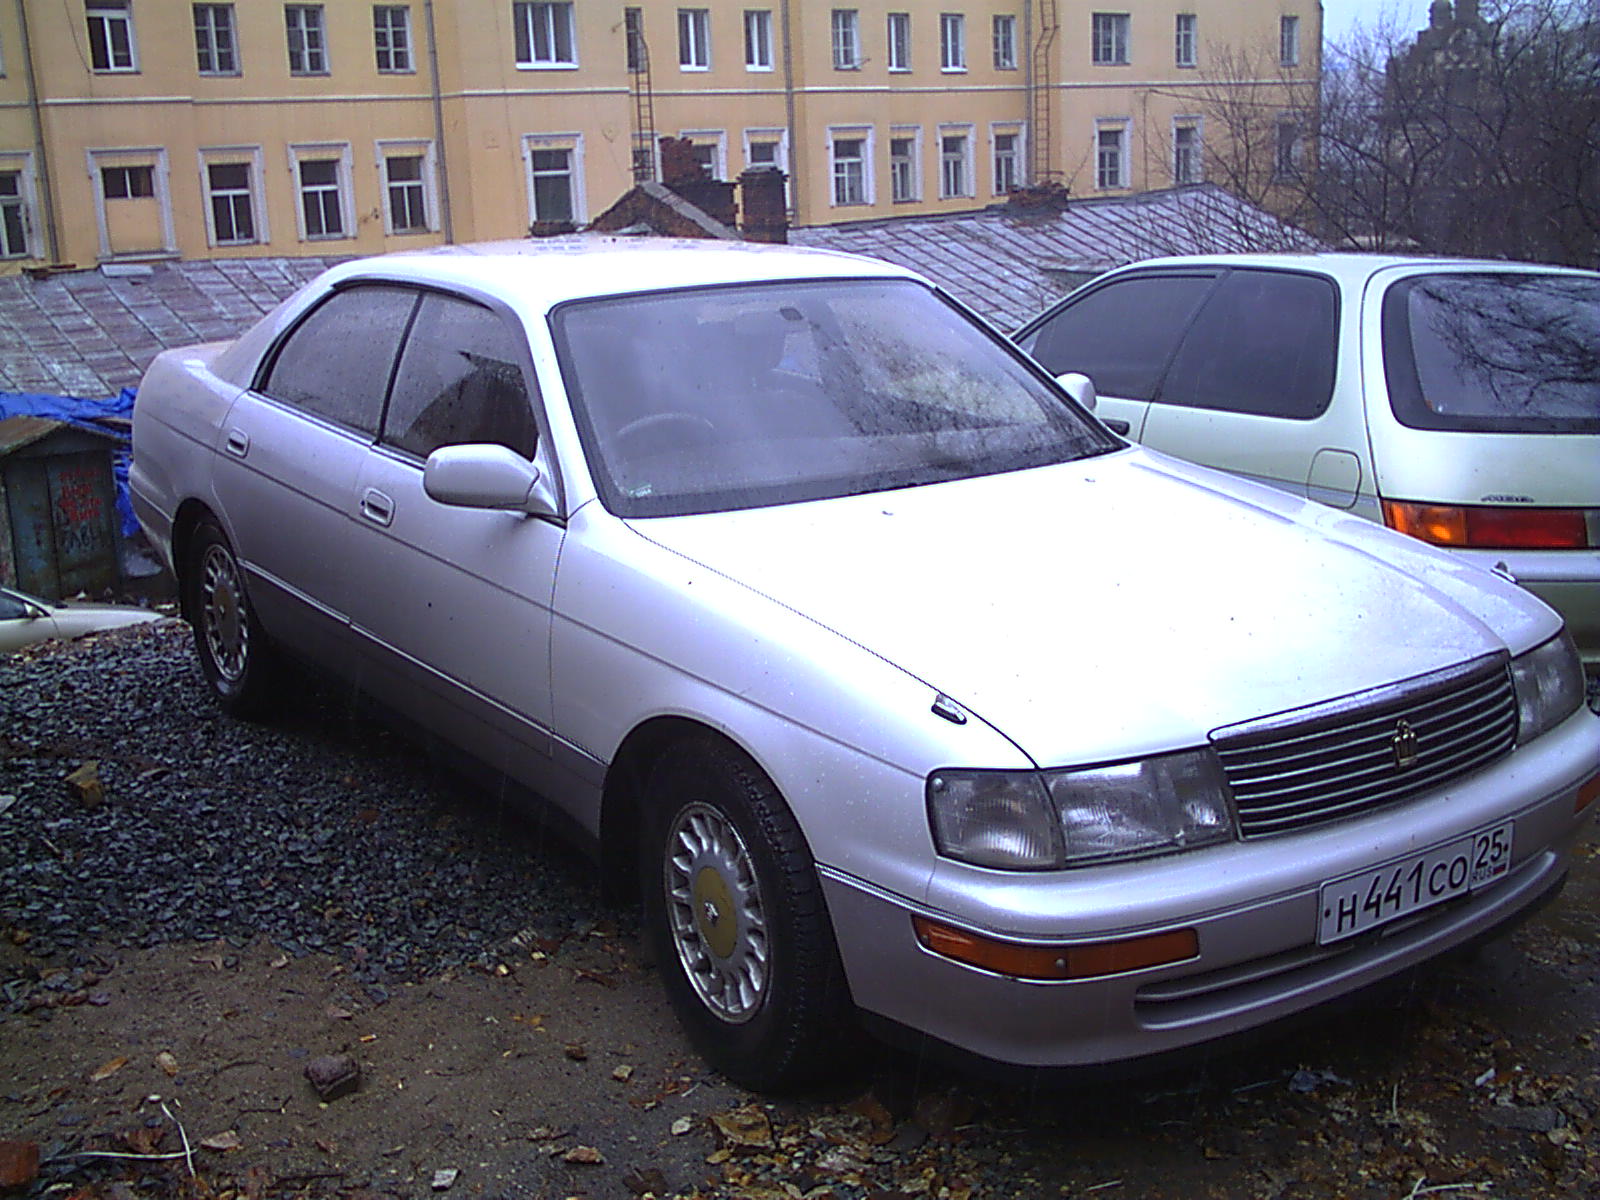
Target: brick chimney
{"type": "Point", "coordinates": [764, 202]}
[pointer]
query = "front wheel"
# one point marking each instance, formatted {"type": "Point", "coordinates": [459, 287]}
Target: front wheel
{"type": "Point", "coordinates": [735, 911]}
{"type": "Point", "coordinates": [235, 657]}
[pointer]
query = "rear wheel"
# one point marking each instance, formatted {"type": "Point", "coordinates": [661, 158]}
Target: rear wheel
{"type": "Point", "coordinates": [736, 916]}
{"type": "Point", "coordinates": [235, 657]}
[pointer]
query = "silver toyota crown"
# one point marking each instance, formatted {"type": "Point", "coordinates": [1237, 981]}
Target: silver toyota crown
{"type": "Point", "coordinates": [900, 686]}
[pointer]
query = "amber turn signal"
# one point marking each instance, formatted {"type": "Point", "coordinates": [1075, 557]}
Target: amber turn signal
{"type": "Point", "coordinates": [1087, 960]}
{"type": "Point", "coordinates": [1489, 528]}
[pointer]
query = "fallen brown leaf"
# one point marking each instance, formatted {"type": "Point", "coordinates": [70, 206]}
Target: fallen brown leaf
{"type": "Point", "coordinates": [107, 1070]}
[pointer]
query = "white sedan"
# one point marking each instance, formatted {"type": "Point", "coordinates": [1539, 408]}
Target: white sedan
{"type": "Point", "coordinates": [896, 685]}
{"type": "Point", "coordinates": [26, 619]}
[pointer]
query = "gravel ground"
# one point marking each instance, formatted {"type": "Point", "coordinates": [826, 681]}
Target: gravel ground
{"type": "Point", "coordinates": [237, 899]}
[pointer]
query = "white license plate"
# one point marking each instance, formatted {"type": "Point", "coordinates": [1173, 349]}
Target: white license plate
{"type": "Point", "coordinates": [1371, 898]}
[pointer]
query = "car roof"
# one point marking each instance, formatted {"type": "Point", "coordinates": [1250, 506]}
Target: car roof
{"type": "Point", "coordinates": [1350, 268]}
{"type": "Point", "coordinates": [539, 274]}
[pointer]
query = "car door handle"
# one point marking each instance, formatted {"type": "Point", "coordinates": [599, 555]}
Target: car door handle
{"type": "Point", "coordinates": [238, 443]}
{"type": "Point", "coordinates": [376, 507]}
{"type": "Point", "coordinates": [1116, 425]}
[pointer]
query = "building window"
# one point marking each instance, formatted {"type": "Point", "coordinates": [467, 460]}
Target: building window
{"type": "Point", "coordinates": [900, 41]}
{"type": "Point", "coordinates": [1005, 42]}
{"type": "Point", "coordinates": [110, 35]}
{"type": "Point", "coordinates": [952, 42]}
{"type": "Point", "coordinates": [544, 35]}
{"type": "Point", "coordinates": [955, 165]}
{"type": "Point", "coordinates": [1289, 41]}
{"type": "Point", "coordinates": [321, 198]}
{"type": "Point", "coordinates": [408, 196]}
{"type": "Point", "coordinates": [764, 148]}
{"type": "Point", "coordinates": [213, 39]}
{"type": "Point", "coordinates": [633, 35]}
{"type": "Point", "coordinates": [846, 39]}
{"type": "Point", "coordinates": [758, 39]}
{"type": "Point", "coordinates": [308, 44]}
{"type": "Point", "coordinates": [391, 38]}
{"type": "Point", "coordinates": [553, 180]}
{"type": "Point", "coordinates": [1111, 157]}
{"type": "Point", "coordinates": [849, 170]}
{"type": "Point", "coordinates": [1111, 39]}
{"type": "Point", "coordinates": [694, 39]}
{"type": "Point", "coordinates": [233, 221]}
{"type": "Point", "coordinates": [1187, 164]}
{"type": "Point", "coordinates": [1186, 41]}
{"type": "Point", "coordinates": [127, 183]}
{"type": "Point", "coordinates": [904, 172]}
{"type": "Point", "coordinates": [1007, 162]}
{"type": "Point", "coordinates": [1288, 149]}
{"type": "Point", "coordinates": [13, 216]}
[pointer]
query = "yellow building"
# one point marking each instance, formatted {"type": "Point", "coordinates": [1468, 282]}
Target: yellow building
{"type": "Point", "coordinates": [134, 129]}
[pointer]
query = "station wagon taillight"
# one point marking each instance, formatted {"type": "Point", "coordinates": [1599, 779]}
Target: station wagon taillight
{"type": "Point", "coordinates": [1489, 527]}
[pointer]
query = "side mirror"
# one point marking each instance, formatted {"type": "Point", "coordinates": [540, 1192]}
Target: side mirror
{"type": "Point", "coordinates": [1080, 387]}
{"type": "Point", "coordinates": [481, 475]}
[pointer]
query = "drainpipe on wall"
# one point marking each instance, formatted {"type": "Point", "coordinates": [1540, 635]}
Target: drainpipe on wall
{"type": "Point", "coordinates": [445, 218]}
{"type": "Point", "coordinates": [788, 113]}
{"type": "Point", "coordinates": [46, 191]}
{"type": "Point", "coordinates": [1029, 106]}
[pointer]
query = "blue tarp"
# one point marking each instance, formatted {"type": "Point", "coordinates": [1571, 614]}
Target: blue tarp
{"type": "Point", "coordinates": [84, 413]}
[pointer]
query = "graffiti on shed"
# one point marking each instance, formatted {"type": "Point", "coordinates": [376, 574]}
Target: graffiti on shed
{"type": "Point", "coordinates": [58, 517]}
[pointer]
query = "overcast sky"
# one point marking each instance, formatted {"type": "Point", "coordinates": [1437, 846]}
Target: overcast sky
{"type": "Point", "coordinates": [1338, 16]}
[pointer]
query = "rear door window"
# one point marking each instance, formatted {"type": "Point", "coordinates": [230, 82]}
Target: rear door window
{"type": "Point", "coordinates": [1497, 352]}
{"type": "Point", "coordinates": [1264, 344]}
{"type": "Point", "coordinates": [1122, 334]}
{"type": "Point", "coordinates": [336, 363]}
{"type": "Point", "coordinates": [460, 381]}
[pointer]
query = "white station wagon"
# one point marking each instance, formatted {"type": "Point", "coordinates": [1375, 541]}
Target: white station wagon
{"type": "Point", "coordinates": [899, 687]}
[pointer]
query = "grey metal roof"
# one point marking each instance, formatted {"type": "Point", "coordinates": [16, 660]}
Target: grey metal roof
{"type": "Point", "coordinates": [1008, 264]}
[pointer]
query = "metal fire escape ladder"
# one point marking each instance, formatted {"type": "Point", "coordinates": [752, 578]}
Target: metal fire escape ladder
{"type": "Point", "coordinates": [644, 105]}
{"type": "Point", "coordinates": [1042, 100]}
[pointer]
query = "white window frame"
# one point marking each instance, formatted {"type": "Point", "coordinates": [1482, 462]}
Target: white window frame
{"type": "Point", "coordinates": [912, 134]}
{"type": "Point", "coordinates": [694, 39]}
{"type": "Point", "coordinates": [899, 47]}
{"type": "Point", "coordinates": [221, 156]}
{"type": "Point", "coordinates": [1288, 41]}
{"type": "Point", "coordinates": [527, 16]}
{"type": "Point", "coordinates": [1111, 39]}
{"type": "Point", "coordinates": [154, 157]}
{"type": "Point", "coordinates": [105, 14]}
{"type": "Point", "coordinates": [1005, 41]}
{"type": "Point", "coordinates": [209, 30]}
{"type": "Point", "coordinates": [1018, 156]}
{"type": "Point", "coordinates": [383, 150]}
{"type": "Point", "coordinates": [774, 136]}
{"type": "Point", "coordinates": [851, 133]}
{"type": "Point", "coordinates": [717, 139]}
{"type": "Point", "coordinates": [758, 39]}
{"type": "Point", "coordinates": [1186, 40]}
{"type": "Point", "coordinates": [406, 51]}
{"type": "Point", "coordinates": [573, 144]}
{"type": "Point", "coordinates": [1198, 174]}
{"type": "Point", "coordinates": [968, 188]}
{"type": "Point", "coordinates": [340, 155]}
{"type": "Point", "coordinates": [1121, 126]}
{"type": "Point", "coordinates": [297, 21]}
{"type": "Point", "coordinates": [21, 164]}
{"type": "Point", "coordinates": [844, 25]}
{"type": "Point", "coordinates": [952, 43]}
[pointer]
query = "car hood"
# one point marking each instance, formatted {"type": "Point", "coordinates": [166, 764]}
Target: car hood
{"type": "Point", "coordinates": [1117, 606]}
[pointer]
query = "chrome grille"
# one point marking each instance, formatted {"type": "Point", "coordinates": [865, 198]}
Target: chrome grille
{"type": "Point", "coordinates": [1314, 765]}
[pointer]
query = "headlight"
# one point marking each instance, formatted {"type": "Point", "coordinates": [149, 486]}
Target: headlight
{"type": "Point", "coordinates": [1036, 820]}
{"type": "Point", "coordinates": [1549, 682]}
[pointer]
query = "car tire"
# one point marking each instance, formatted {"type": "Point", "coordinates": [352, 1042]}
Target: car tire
{"type": "Point", "coordinates": [238, 662]}
{"type": "Point", "coordinates": [736, 918]}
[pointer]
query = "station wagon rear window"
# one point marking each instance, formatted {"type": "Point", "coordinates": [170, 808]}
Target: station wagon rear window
{"type": "Point", "coordinates": [1496, 352]}
{"type": "Point", "coordinates": [712, 399]}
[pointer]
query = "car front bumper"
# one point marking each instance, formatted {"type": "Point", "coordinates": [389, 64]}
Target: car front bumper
{"type": "Point", "coordinates": [1253, 905]}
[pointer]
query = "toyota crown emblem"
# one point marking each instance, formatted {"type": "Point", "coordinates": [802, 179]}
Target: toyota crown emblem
{"type": "Point", "coordinates": [1404, 744]}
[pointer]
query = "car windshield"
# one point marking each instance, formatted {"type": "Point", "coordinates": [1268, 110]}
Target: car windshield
{"type": "Point", "coordinates": [1495, 352]}
{"type": "Point", "coordinates": [737, 397]}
